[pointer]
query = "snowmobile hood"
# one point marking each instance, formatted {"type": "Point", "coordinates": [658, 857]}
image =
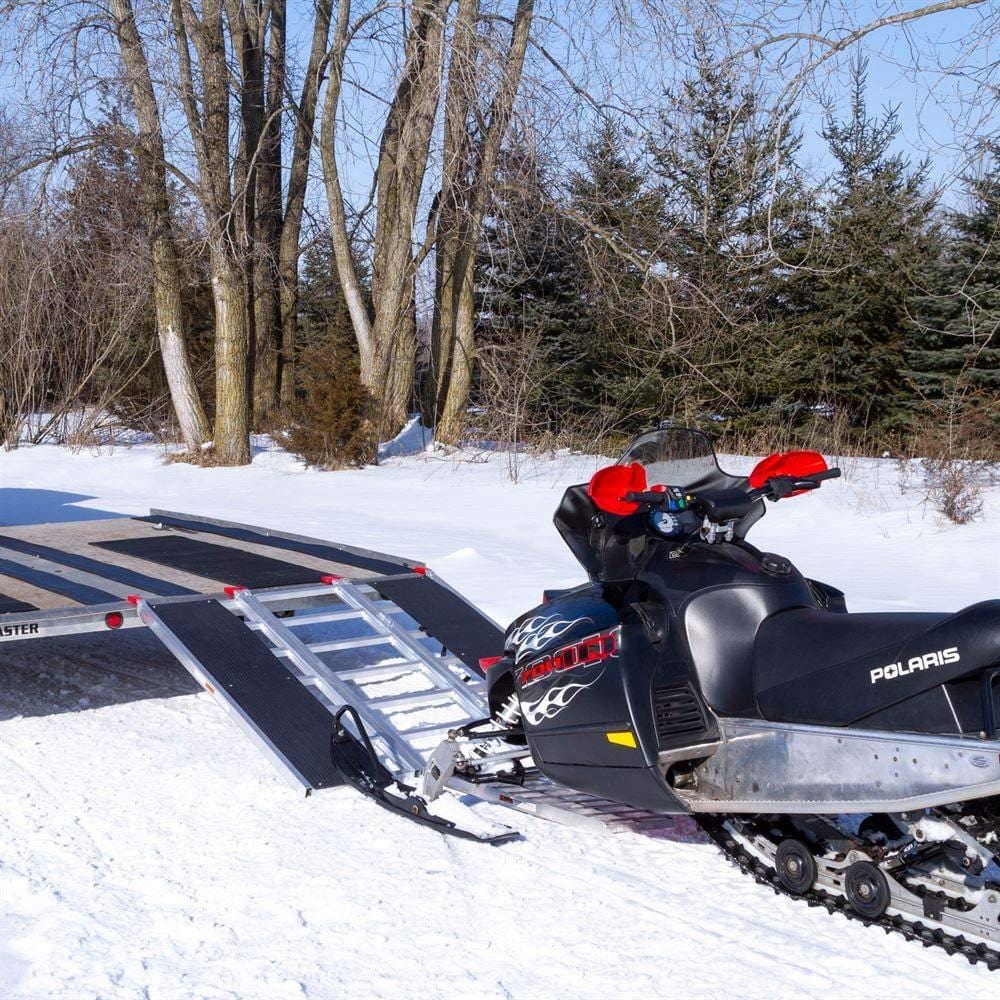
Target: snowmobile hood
{"type": "Point", "coordinates": [559, 623]}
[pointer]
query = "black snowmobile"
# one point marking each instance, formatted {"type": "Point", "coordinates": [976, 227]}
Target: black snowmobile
{"type": "Point", "coordinates": [851, 759]}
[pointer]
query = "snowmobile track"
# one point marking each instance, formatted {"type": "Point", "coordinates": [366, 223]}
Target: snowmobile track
{"type": "Point", "coordinates": [912, 930]}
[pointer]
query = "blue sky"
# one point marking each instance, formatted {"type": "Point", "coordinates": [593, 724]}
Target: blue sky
{"type": "Point", "coordinates": [928, 102]}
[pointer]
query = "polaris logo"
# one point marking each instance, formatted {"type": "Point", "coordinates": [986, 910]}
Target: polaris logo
{"type": "Point", "coordinates": [13, 631]}
{"type": "Point", "coordinates": [915, 663]}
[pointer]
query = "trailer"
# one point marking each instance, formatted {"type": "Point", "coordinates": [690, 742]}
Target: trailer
{"type": "Point", "coordinates": [342, 665]}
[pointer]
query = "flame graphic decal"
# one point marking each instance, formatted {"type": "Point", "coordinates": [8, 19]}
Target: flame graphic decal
{"type": "Point", "coordinates": [537, 632]}
{"type": "Point", "coordinates": [554, 701]}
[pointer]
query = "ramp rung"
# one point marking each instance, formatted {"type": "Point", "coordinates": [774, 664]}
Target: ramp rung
{"type": "Point", "coordinates": [435, 728]}
{"type": "Point", "coordinates": [368, 640]}
{"type": "Point", "coordinates": [402, 668]}
{"type": "Point", "coordinates": [378, 675]}
{"type": "Point", "coordinates": [412, 701]}
{"type": "Point", "coordinates": [335, 645]}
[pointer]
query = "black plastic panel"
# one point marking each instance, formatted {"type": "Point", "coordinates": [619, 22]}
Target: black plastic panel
{"type": "Point", "coordinates": [374, 563]}
{"type": "Point", "coordinates": [238, 662]}
{"type": "Point", "coordinates": [461, 628]}
{"type": "Point", "coordinates": [215, 562]}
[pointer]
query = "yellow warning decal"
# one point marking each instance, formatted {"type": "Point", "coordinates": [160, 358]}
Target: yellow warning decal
{"type": "Point", "coordinates": [625, 739]}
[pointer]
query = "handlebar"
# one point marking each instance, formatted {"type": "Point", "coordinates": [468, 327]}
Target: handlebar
{"type": "Point", "coordinates": [727, 505]}
{"type": "Point", "coordinates": [779, 487]}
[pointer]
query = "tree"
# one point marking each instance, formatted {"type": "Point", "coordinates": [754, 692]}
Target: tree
{"type": "Point", "coordinates": [954, 351]}
{"type": "Point", "coordinates": [226, 186]}
{"type": "Point", "coordinates": [168, 293]}
{"type": "Point", "coordinates": [473, 135]}
{"type": "Point", "coordinates": [386, 334]}
{"type": "Point", "coordinates": [277, 261]}
{"type": "Point", "coordinates": [533, 297]}
{"type": "Point", "coordinates": [870, 254]}
{"type": "Point", "coordinates": [733, 209]}
{"type": "Point", "coordinates": [610, 193]}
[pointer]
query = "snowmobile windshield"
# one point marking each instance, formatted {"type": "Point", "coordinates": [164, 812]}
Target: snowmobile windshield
{"type": "Point", "coordinates": [675, 456]}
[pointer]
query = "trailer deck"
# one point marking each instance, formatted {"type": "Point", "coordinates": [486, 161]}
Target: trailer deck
{"type": "Point", "coordinates": [283, 631]}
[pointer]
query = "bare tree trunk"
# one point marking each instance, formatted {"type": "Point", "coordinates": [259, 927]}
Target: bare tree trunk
{"type": "Point", "coordinates": [228, 224]}
{"type": "Point", "coordinates": [400, 176]}
{"type": "Point", "coordinates": [459, 102]}
{"type": "Point", "coordinates": [232, 341]}
{"type": "Point", "coordinates": [343, 255]}
{"type": "Point", "coordinates": [460, 255]}
{"type": "Point", "coordinates": [248, 21]}
{"type": "Point", "coordinates": [298, 176]}
{"type": "Point", "coordinates": [168, 299]}
{"type": "Point", "coordinates": [267, 304]}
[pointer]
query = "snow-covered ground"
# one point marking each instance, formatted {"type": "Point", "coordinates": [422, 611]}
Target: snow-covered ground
{"type": "Point", "coordinates": [147, 850]}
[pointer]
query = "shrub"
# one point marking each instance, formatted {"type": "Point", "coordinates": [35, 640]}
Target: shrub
{"type": "Point", "coordinates": [329, 426]}
{"type": "Point", "coordinates": [954, 488]}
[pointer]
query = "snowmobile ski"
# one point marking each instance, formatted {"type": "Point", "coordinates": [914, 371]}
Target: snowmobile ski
{"type": "Point", "coordinates": [355, 758]}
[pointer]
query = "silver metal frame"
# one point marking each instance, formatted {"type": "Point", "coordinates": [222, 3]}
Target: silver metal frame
{"type": "Point", "coordinates": [775, 767]}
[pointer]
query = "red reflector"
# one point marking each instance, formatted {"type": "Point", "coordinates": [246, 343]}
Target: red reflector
{"type": "Point", "coordinates": [330, 578]}
{"type": "Point", "coordinates": [133, 599]}
{"type": "Point", "coordinates": [421, 570]}
{"type": "Point", "coordinates": [487, 661]}
{"type": "Point", "coordinates": [232, 591]}
{"type": "Point", "coordinates": [114, 619]}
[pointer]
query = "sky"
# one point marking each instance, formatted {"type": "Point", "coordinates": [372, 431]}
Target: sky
{"type": "Point", "coordinates": [939, 111]}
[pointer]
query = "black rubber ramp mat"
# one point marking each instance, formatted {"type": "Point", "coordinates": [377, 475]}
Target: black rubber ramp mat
{"type": "Point", "coordinates": [373, 562]}
{"type": "Point", "coordinates": [238, 662]}
{"type": "Point", "coordinates": [459, 626]}
{"type": "Point", "coordinates": [81, 593]}
{"type": "Point", "coordinates": [12, 606]}
{"type": "Point", "coordinates": [215, 562]}
{"type": "Point", "coordinates": [141, 582]}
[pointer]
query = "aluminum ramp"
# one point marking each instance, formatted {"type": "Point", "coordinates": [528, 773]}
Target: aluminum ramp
{"type": "Point", "coordinates": [283, 685]}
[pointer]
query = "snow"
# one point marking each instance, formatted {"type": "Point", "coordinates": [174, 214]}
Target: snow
{"type": "Point", "coordinates": [411, 440]}
{"type": "Point", "coordinates": [147, 850]}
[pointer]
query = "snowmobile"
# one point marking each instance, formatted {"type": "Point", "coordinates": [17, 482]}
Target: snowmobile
{"type": "Point", "coordinates": [849, 759]}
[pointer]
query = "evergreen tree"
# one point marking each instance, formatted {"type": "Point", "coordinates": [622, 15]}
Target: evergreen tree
{"type": "Point", "coordinates": [530, 286]}
{"type": "Point", "coordinates": [733, 212]}
{"type": "Point", "coordinates": [323, 315]}
{"type": "Point", "coordinates": [618, 242]}
{"type": "Point", "coordinates": [873, 249]}
{"type": "Point", "coordinates": [954, 351]}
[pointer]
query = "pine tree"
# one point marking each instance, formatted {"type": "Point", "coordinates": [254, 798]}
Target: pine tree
{"type": "Point", "coordinates": [622, 231]}
{"type": "Point", "coordinates": [872, 251]}
{"type": "Point", "coordinates": [734, 206]}
{"type": "Point", "coordinates": [954, 351]}
{"type": "Point", "coordinates": [323, 314]}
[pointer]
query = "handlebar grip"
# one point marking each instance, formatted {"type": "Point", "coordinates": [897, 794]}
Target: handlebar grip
{"type": "Point", "coordinates": [818, 477]}
{"type": "Point", "coordinates": [644, 497]}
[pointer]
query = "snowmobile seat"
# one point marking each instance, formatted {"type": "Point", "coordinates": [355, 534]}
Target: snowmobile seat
{"type": "Point", "coordinates": [829, 669]}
